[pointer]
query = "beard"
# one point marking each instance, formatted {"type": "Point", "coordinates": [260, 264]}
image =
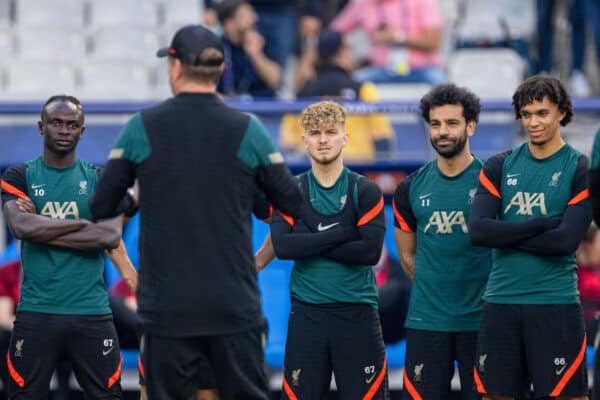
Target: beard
{"type": "Point", "coordinates": [452, 150]}
{"type": "Point", "coordinates": [325, 160]}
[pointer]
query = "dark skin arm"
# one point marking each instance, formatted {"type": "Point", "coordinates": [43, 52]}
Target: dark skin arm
{"type": "Point", "coordinates": [37, 228]}
{"type": "Point", "coordinates": [91, 237]}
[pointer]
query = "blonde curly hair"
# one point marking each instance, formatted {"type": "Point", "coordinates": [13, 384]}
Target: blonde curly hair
{"type": "Point", "coordinates": [322, 114]}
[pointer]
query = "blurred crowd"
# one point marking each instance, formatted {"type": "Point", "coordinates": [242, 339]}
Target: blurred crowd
{"type": "Point", "coordinates": [285, 48]}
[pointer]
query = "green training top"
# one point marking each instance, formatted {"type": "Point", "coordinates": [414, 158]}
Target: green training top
{"type": "Point", "coordinates": [57, 280]}
{"type": "Point", "coordinates": [450, 274]}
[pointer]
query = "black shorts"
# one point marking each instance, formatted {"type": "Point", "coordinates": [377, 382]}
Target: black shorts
{"type": "Point", "coordinates": [522, 343]}
{"type": "Point", "coordinates": [343, 338]}
{"type": "Point", "coordinates": [429, 364]}
{"type": "Point", "coordinates": [205, 380]}
{"type": "Point", "coordinates": [39, 340]}
{"type": "Point", "coordinates": [173, 365]}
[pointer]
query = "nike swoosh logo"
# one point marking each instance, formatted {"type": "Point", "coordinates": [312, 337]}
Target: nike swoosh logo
{"type": "Point", "coordinates": [560, 371]}
{"type": "Point", "coordinates": [37, 186]}
{"type": "Point", "coordinates": [424, 196]}
{"type": "Point", "coordinates": [512, 175]}
{"type": "Point", "coordinates": [368, 380]}
{"type": "Point", "coordinates": [322, 228]}
{"type": "Point", "coordinates": [105, 352]}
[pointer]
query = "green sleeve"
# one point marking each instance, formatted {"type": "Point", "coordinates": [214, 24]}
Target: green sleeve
{"type": "Point", "coordinates": [132, 143]}
{"type": "Point", "coordinates": [595, 164]}
{"type": "Point", "coordinates": [257, 147]}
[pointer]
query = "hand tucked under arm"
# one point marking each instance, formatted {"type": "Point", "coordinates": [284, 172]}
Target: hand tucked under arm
{"type": "Point", "coordinates": [364, 251]}
{"type": "Point", "coordinates": [298, 242]}
{"type": "Point", "coordinates": [101, 235]}
{"type": "Point", "coordinates": [486, 230]}
{"type": "Point", "coordinates": [38, 228]}
{"type": "Point", "coordinates": [564, 239]}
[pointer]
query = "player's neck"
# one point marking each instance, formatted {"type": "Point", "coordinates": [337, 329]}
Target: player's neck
{"type": "Point", "coordinates": [58, 160]}
{"type": "Point", "coordinates": [455, 165]}
{"type": "Point", "coordinates": [327, 174]}
{"type": "Point", "coordinates": [547, 149]}
{"type": "Point", "coordinates": [194, 87]}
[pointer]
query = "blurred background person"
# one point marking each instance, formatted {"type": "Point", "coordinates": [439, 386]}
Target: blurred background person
{"type": "Point", "coordinates": [405, 38]}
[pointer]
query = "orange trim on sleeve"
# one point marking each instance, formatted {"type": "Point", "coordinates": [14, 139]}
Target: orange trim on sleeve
{"type": "Point", "coordinates": [478, 383]}
{"type": "Point", "coordinates": [13, 372]}
{"type": "Point", "coordinates": [270, 210]}
{"type": "Point", "coordinates": [288, 390]}
{"type": "Point", "coordinates": [11, 189]}
{"type": "Point", "coordinates": [488, 185]}
{"type": "Point", "coordinates": [410, 388]}
{"type": "Point", "coordinates": [372, 213]}
{"type": "Point", "coordinates": [117, 375]}
{"type": "Point", "coordinates": [375, 386]}
{"type": "Point", "coordinates": [141, 367]}
{"type": "Point", "coordinates": [289, 219]}
{"type": "Point", "coordinates": [571, 371]}
{"type": "Point", "coordinates": [584, 194]}
{"type": "Point", "coordinates": [403, 225]}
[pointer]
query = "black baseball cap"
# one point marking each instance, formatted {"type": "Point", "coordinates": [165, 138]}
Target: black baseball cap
{"type": "Point", "coordinates": [189, 42]}
{"type": "Point", "coordinates": [329, 43]}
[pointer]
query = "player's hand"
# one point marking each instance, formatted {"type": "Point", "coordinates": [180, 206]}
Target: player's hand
{"type": "Point", "coordinates": [253, 43]}
{"type": "Point", "coordinates": [26, 206]}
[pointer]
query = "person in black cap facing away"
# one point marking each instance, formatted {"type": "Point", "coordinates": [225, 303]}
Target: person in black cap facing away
{"type": "Point", "coordinates": [199, 164]}
{"type": "Point", "coordinates": [248, 70]}
{"type": "Point", "coordinates": [369, 135]}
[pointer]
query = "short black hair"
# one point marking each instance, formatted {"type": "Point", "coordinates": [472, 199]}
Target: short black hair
{"type": "Point", "coordinates": [64, 98]}
{"type": "Point", "coordinates": [449, 93]}
{"type": "Point", "coordinates": [536, 88]}
{"type": "Point", "coordinates": [227, 8]}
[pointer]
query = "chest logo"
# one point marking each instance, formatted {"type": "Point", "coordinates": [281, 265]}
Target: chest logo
{"type": "Point", "coordinates": [83, 188]}
{"type": "Point", "coordinates": [554, 180]}
{"type": "Point", "coordinates": [343, 200]}
{"type": "Point", "coordinates": [472, 195]}
{"type": "Point", "coordinates": [38, 190]}
{"type": "Point", "coordinates": [322, 228]}
{"type": "Point", "coordinates": [425, 199]}
{"type": "Point", "coordinates": [58, 210]}
{"type": "Point", "coordinates": [525, 203]}
{"type": "Point", "coordinates": [511, 179]}
{"type": "Point", "coordinates": [444, 222]}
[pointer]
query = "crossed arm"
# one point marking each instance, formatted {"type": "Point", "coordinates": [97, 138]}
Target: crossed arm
{"type": "Point", "coordinates": [78, 234]}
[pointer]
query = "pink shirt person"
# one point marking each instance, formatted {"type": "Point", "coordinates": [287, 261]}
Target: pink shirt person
{"type": "Point", "coordinates": [409, 17]}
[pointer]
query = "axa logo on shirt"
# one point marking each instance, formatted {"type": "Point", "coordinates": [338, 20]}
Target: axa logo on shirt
{"type": "Point", "coordinates": [444, 221]}
{"type": "Point", "coordinates": [58, 210]}
{"type": "Point", "coordinates": [525, 203]}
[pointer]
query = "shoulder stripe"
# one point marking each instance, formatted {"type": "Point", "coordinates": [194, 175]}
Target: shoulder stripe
{"type": "Point", "coordinates": [556, 392]}
{"type": "Point", "coordinates": [288, 218]}
{"type": "Point", "coordinates": [488, 185]}
{"type": "Point", "coordinates": [584, 194]}
{"type": "Point", "coordinates": [11, 189]}
{"type": "Point", "coordinates": [403, 225]}
{"type": "Point", "coordinates": [372, 213]}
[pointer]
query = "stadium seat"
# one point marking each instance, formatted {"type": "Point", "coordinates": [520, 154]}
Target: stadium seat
{"type": "Point", "coordinates": [41, 44]}
{"type": "Point", "coordinates": [178, 13]}
{"type": "Point", "coordinates": [114, 81]}
{"type": "Point", "coordinates": [43, 13]}
{"type": "Point", "coordinates": [124, 44]}
{"type": "Point", "coordinates": [490, 73]}
{"type": "Point", "coordinates": [492, 20]}
{"type": "Point", "coordinates": [31, 81]}
{"type": "Point", "coordinates": [120, 13]}
{"type": "Point", "coordinates": [396, 354]}
{"type": "Point", "coordinates": [401, 91]}
{"type": "Point", "coordinates": [7, 46]}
